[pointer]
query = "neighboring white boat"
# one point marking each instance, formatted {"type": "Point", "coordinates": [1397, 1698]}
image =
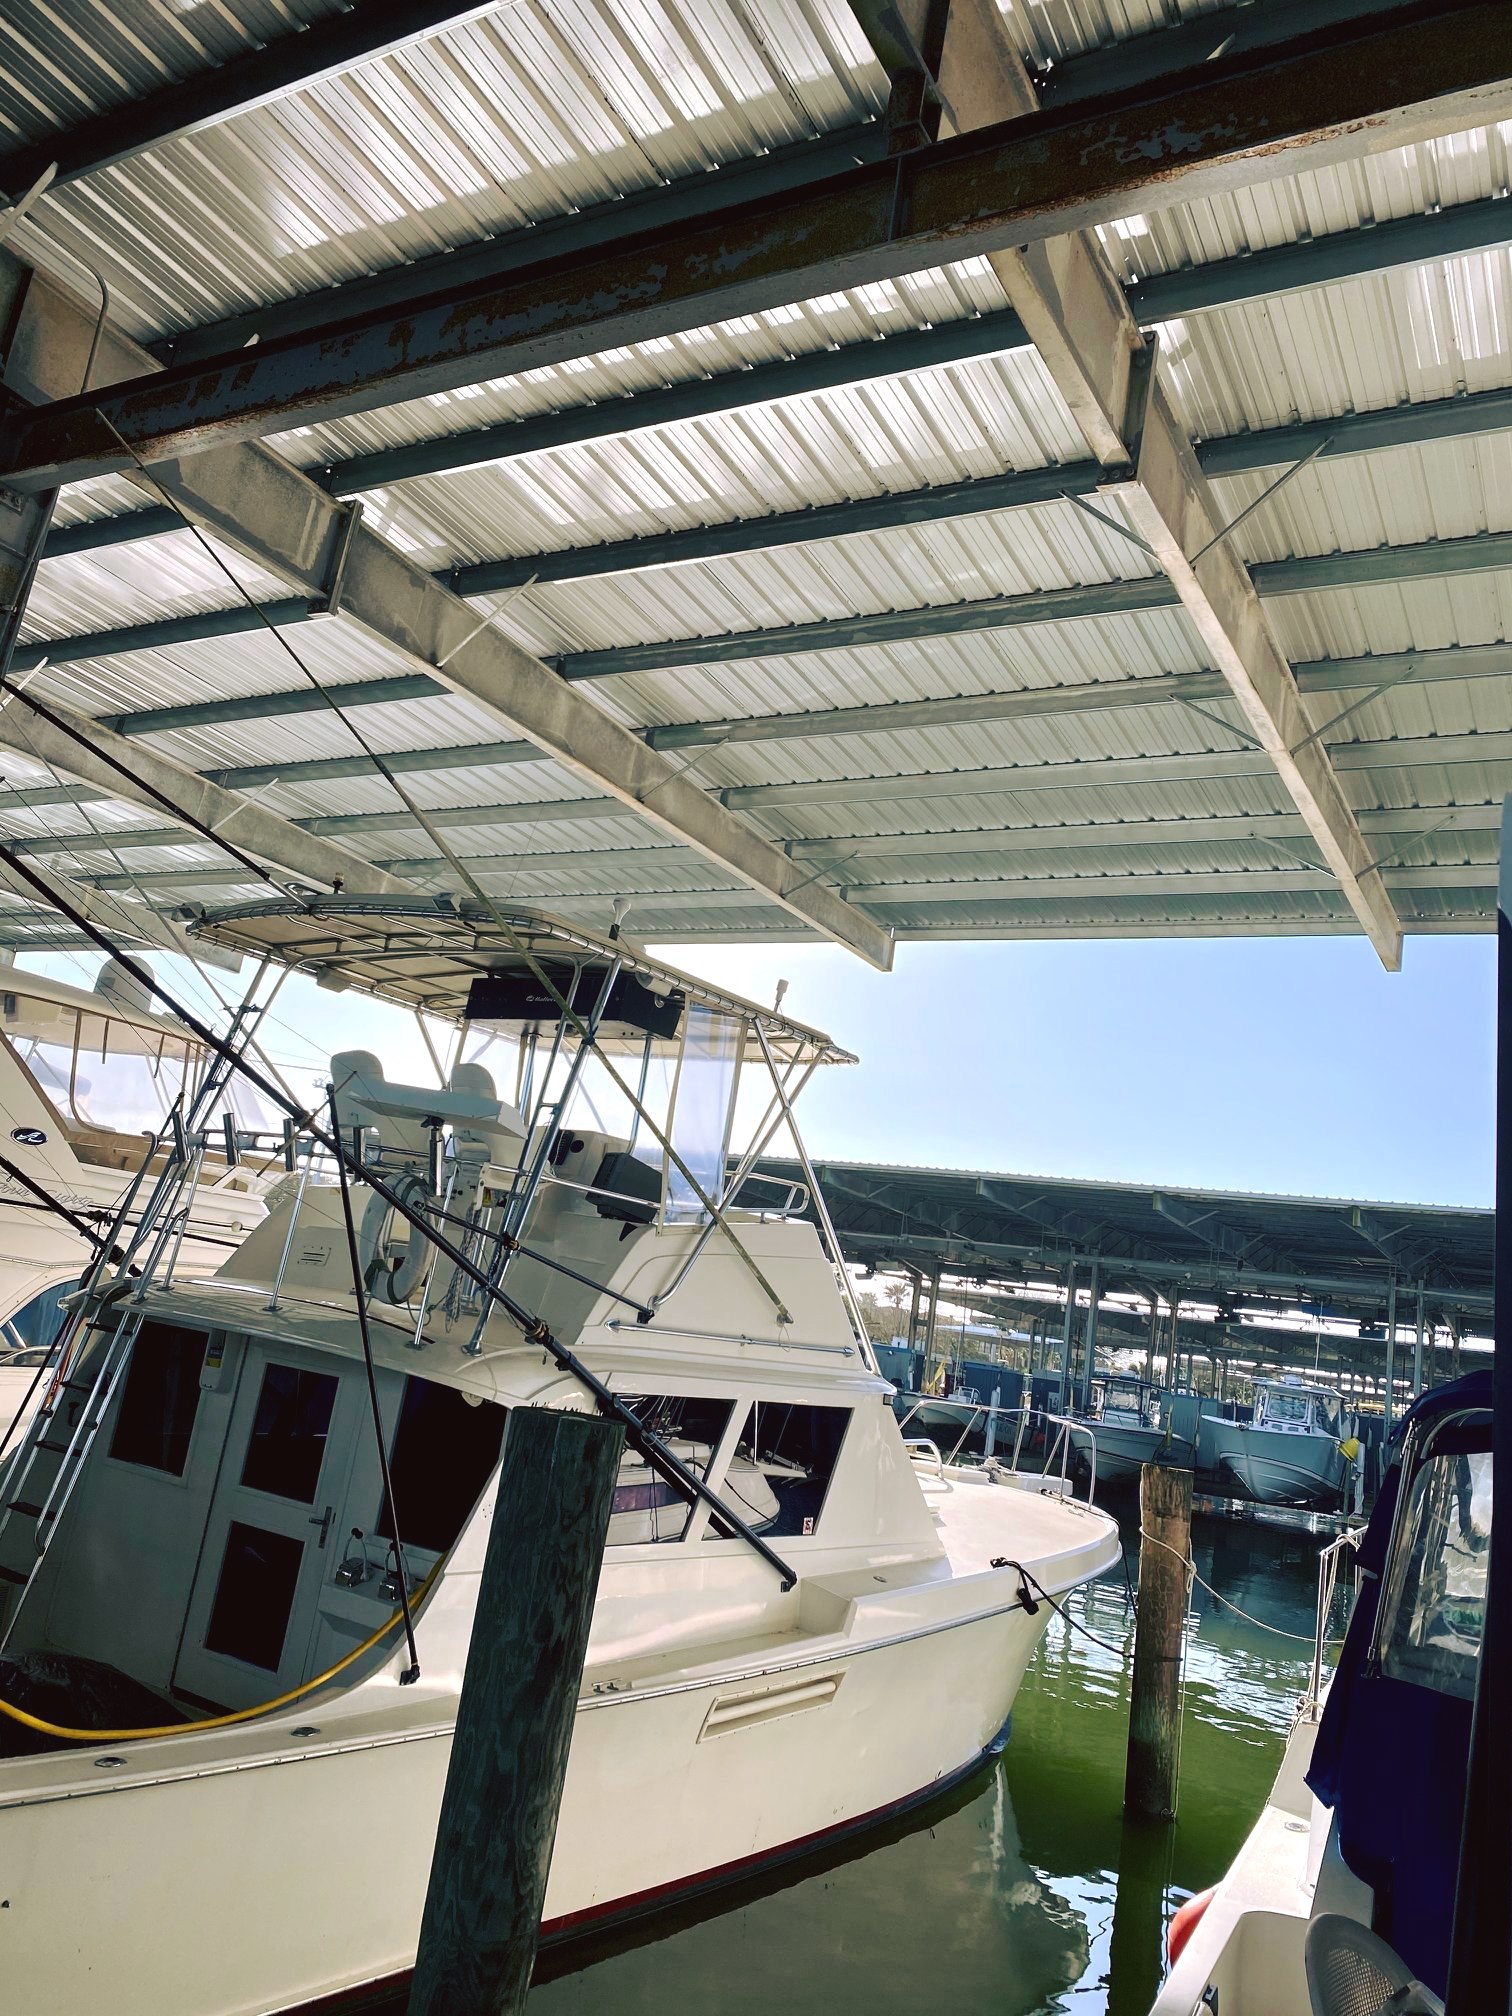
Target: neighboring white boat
{"type": "Point", "coordinates": [224, 1547]}
{"type": "Point", "coordinates": [1291, 1453]}
{"type": "Point", "coordinates": [1365, 1818]}
{"type": "Point", "coordinates": [1130, 1419]}
{"type": "Point", "coordinates": [87, 1078]}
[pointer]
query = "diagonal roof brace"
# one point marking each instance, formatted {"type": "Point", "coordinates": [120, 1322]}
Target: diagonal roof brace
{"type": "Point", "coordinates": [1068, 297]}
{"type": "Point", "coordinates": [269, 510]}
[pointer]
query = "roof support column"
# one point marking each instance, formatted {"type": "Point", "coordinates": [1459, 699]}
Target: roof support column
{"type": "Point", "coordinates": [1089, 1342]}
{"type": "Point", "coordinates": [1071, 303]}
{"type": "Point", "coordinates": [1068, 1331]}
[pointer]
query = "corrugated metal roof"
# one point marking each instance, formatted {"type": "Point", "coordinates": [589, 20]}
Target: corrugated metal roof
{"type": "Point", "coordinates": [548, 105]}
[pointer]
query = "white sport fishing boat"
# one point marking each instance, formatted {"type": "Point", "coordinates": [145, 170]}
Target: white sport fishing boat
{"type": "Point", "coordinates": [1292, 1453]}
{"type": "Point", "coordinates": [225, 1561]}
{"type": "Point", "coordinates": [1351, 1867]}
{"type": "Point", "coordinates": [88, 1077]}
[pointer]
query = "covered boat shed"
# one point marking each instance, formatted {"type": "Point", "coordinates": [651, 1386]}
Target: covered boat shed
{"type": "Point", "coordinates": [825, 468]}
{"type": "Point", "coordinates": [1380, 1296]}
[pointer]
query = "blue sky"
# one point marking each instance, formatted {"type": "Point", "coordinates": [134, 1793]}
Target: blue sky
{"type": "Point", "coordinates": [1277, 1064]}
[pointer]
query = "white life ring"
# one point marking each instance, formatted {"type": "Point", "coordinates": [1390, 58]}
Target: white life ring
{"type": "Point", "coordinates": [394, 1276]}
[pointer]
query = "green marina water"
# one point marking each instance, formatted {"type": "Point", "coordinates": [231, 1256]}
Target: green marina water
{"type": "Point", "coordinates": [1023, 1891]}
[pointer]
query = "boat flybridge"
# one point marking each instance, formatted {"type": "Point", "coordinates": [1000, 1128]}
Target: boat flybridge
{"type": "Point", "coordinates": [89, 1081]}
{"type": "Point", "coordinates": [224, 1792]}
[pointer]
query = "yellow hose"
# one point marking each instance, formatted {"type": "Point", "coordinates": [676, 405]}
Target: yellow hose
{"type": "Point", "coordinates": [215, 1721]}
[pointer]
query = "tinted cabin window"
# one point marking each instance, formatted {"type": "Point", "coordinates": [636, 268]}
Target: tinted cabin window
{"type": "Point", "coordinates": [254, 1596]}
{"type": "Point", "coordinates": [647, 1506]}
{"type": "Point", "coordinates": [444, 1452]}
{"type": "Point", "coordinates": [780, 1473]}
{"type": "Point", "coordinates": [38, 1322]}
{"type": "Point", "coordinates": [160, 1399]}
{"type": "Point", "coordinates": [288, 1441]}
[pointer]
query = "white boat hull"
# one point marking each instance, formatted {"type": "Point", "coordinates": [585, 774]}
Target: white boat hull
{"type": "Point", "coordinates": [249, 1882]}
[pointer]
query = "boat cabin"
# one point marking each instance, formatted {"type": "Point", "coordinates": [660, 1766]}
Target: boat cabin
{"type": "Point", "coordinates": [1123, 1400]}
{"type": "Point", "coordinates": [99, 1070]}
{"type": "Point", "coordinates": [1287, 1407]}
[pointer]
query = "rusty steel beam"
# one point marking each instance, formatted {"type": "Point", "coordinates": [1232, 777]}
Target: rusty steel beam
{"type": "Point", "coordinates": [1244, 117]}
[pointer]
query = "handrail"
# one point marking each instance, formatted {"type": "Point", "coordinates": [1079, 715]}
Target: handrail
{"type": "Point", "coordinates": [911, 1442]}
{"type": "Point", "coordinates": [1328, 1578]}
{"type": "Point", "coordinates": [980, 1411]}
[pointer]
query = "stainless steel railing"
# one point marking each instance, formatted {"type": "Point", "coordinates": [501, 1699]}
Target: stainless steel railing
{"type": "Point", "coordinates": [1059, 1448]}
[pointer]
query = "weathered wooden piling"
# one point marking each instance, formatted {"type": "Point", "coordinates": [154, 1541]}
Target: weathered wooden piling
{"type": "Point", "coordinates": [1165, 1523]}
{"type": "Point", "coordinates": [515, 1717]}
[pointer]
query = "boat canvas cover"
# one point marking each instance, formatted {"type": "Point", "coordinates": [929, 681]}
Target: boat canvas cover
{"type": "Point", "coordinates": [1398, 1829]}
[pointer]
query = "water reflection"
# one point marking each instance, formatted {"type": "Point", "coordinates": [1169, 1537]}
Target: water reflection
{"type": "Point", "coordinates": [1023, 1892]}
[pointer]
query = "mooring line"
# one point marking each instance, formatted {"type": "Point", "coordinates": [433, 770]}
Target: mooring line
{"type": "Point", "coordinates": [1297, 1637]}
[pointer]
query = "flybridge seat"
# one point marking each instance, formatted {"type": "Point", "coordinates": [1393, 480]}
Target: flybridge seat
{"type": "Point", "coordinates": [405, 1115]}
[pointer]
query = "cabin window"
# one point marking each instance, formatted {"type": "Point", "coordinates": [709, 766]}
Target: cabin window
{"type": "Point", "coordinates": [160, 1398]}
{"type": "Point", "coordinates": [1290, 1410]}
{"type": "Point", "coordinates": [780, 1473]}
{"type": "Point", "coordinates": [36, 1324]}
{"type": "Point", "coordinates": [1435, 1609]}
{"type": "Point", "coordinates": [254, 1596]}
{"type": "Point", "coordinates": [288, 1441]}
{"type": "Point", "coordinates": [647, 1506]}
{"type": "Point", "coordinates": [445, 1449]}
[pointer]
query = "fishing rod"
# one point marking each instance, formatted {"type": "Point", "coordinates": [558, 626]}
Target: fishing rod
{"type": "Point", "coordinates": [534, 1329]}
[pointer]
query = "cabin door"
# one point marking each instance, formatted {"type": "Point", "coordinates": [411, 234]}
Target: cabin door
{"type": "Point", "coordinates": [274, 1519]}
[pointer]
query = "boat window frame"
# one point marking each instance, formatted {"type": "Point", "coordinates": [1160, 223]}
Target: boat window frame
{"type": "Point", "coordinates": [1417, 1451]}
{"type": "Point", "coordinates": [673, 1386]}
{"type": "Point", "coordinates": [73, 1121]}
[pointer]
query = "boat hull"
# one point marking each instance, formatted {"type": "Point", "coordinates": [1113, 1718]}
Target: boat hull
{"type": "Point", "coordinates": [1276, 1468]}
{"type": "Point", "coordinates": [285, 1880]}
{"type": "Point", "coordinates": [1123, 1452]}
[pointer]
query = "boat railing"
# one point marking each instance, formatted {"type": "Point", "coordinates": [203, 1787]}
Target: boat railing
{"type": "Point", "coordinates": [1330, 1559]}
{"type": "Point", "coordinates": [1030, 1424]}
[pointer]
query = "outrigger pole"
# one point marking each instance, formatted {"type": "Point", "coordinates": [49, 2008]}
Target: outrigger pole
{"type": "Point", "coordinates": [534, 1329]}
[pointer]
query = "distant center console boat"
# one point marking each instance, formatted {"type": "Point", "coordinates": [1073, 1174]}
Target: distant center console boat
{"type": "Point", "coordinates": [1291, 1453]}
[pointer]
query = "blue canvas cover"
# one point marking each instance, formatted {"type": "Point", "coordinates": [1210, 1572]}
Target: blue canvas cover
{"type": "Point", "coordinates": [1391, 1757]}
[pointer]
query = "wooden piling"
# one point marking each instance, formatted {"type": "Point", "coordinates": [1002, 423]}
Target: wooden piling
{"type": "Point", "coordinates": [1165, 1521]}
{"type": "Point", "coordinates": [515, 1716]}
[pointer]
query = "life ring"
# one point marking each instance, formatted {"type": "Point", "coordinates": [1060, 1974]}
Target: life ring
{"type": "Point", "coordinates": [394, 1276]}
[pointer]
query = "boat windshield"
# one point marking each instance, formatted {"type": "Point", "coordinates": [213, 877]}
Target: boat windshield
{"type": "Point", "coordinates": [1287, 1410]}
{"type": "Point", "coordinates": [1434, 1615]}
{"type": "Point", "coordinates": [99, 1070]}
